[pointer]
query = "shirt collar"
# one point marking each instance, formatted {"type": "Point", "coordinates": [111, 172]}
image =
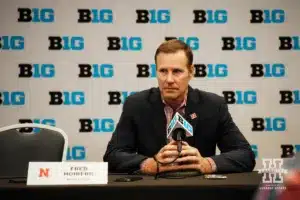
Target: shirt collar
{"type": "Point", "coordinates": [181, 105]}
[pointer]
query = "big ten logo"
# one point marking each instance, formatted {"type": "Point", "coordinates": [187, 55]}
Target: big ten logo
{"type": "Point", "coordinates": [45, 121]}
{"type": "Point", "coordinates": [289, 150]}
{"type": "Point", "coordinates": [193, 42]}
{"type": "Point", "coordinates": [289, 97]}
{"type": "Point", "coordinates": [76, 153]}
{"type": "Point", "coordinates": [124, 43]}
{"type": "Point", "coordinates": [103, 125]}
{"type": "Point", "coordinates": [36, 15]}
{"type": "Point", "coordinates": [276, 70]}
{"type": "Point", "coordinates": [239, 43]}
{"type": "Point", "coordinates": [254, 148]}
{"type": "Point", "coordinates": [12, 43]}
{"type": "Point", "coordinates": [211, 70]}
{"type": "Point", "coordinates": [118, 97]}
{"type": "Point", "coordinates": [67, 98]}
{"type": "Point", "coordinates": [12, 98]}
{"type": "Point", "coordinates": [159, 16]}
{"type": "Point", "coordinates": [36, 70]}
{"type": "Point", "coordinates": [95, 16]}
{"type": "Point", "coordinates": [269, 124]}
{"type": "Point", "coordinates": [240, 97]}
{"type": "Point", "coordinates": [210, 16]}
{"type": "Point", "coordinates": [289, 43]}
{"type": "Point", "coordinates": [70, 43]}
{"type": "Point", "coordinates": [275, 16]}
{"type": "Point", "coordinates": [146, 70]}
{"type": "Point", "coordinates": [96, 70]}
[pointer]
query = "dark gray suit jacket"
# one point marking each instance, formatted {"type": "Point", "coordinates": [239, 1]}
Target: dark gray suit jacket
{"type": "Point", "coordinates": [141, 132]}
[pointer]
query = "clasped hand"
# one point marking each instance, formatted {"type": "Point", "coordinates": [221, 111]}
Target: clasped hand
{"type": "Point", "coordinates": [189, 158]}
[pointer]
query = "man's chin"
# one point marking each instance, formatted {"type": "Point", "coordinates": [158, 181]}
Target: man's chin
{"type": "Point", "coordinates": [170, 97]}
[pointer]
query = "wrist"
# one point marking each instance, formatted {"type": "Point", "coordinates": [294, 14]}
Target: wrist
{"type": "Point", "coordinates": [212, 164]}
{"type": "Point", "coordinates": [148, 166]}
{"type": "Point", "coordinates": [205, 166]}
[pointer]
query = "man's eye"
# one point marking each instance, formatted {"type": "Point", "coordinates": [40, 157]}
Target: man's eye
{"type": "Point", "coordinates": [177, 71]}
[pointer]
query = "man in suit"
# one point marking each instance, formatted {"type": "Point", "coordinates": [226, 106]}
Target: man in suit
{"type": "Point", "coordinates": [139, 141]}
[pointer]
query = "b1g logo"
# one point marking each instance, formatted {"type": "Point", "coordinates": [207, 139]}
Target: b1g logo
{"type": "Point", "coordinates": [276, 70]}
{"type": "Point", "coordinates": [289, 97]}
{"type": "Point", "coordinates": [239, 43]}
{"type": "Point", "coordinates": [289, 43]}
{"type": "Point", "coordinates": [193, 42]}
{"type": "Point", "coordinates": [76, 153]}
{"type": "Point", "coordinates": [146, 70]}
{"type": "Point", "coordinates": [12, 43]}
{"type": "Point", "coordinates": [276, 16]}
{"type": "Point", "coordinates": [124, 43]}
{"type": "Point", "coordinates": [289, 150]}
{"type": "Point", "coordinates": [67, 98]}
{"type": "Point", "coordinates": [255, 150]}
{"type": "Point", "coordinates": [211, 70]}
{"type": "Point", "coordinates": [96, 70]}
{"type": "Point", "coordinates": [240, 97]}
{"type": "Point", "coordinates": [210, 16]}
{"type": "Point", "coordinates": [36, 70]}
{"type": "Point", "coordinates": [12, 98]}
{"type": "Point", "coordinates": [103, 125]}
{"type": "Point", "coordinates": [117, 98]}
{"type": "Point", "coordinates": [153, 16]}
{"type": "Point", "coordinates": [49, 121]}
{"type": "Point", "coordinates": [269, 124]}
{"type": "Point", "coordinates": [36, 15]}
{"type": "Point", "coordinates": [69, 43]}
{"type": "Point", "coordinates": [95, 16]}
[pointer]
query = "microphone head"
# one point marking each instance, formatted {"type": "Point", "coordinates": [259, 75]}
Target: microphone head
{"type": "Point", "coordinates": [178, 134]}
{"type": "Point", "coordinates": [178, 121]}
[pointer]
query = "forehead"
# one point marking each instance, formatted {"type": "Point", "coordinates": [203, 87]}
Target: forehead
{"type": "Point", "coordinates": [173, 60]}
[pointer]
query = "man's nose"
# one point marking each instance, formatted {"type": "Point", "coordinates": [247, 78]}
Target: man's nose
{"type": "Point", "coordinates": [170, 78]}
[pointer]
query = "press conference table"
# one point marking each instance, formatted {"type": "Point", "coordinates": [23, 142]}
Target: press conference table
{"type": "Point", "coordinates": [237, 186]}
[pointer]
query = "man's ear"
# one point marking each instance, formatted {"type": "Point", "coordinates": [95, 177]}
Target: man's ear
{"type": "Point", "coordinates": [192, 71]}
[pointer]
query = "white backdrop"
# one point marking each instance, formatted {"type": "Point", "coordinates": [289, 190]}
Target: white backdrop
{"type": "Point", "coordinates": [60, 18]}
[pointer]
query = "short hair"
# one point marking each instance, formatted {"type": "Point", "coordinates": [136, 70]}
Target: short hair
{"type": "Point", "coordinates": [174, 45]}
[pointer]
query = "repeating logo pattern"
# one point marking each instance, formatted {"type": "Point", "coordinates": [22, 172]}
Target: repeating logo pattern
{"type": "Point", "coordinates": [73, 64]}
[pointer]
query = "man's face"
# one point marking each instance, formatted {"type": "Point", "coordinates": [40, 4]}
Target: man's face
{"type": "Point", "coordinates": [173, 75]}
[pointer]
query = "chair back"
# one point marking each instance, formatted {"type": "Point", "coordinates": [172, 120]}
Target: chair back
{"type": "Point", "coordinates": [18, 147]}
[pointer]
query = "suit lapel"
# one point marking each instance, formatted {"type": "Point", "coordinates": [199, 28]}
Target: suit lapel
{"type": "Point", "coordinates": [158, 117]}
{"type": "Point", "coordinates": [192, 106]}
{"type": "Point", "coordinates": [191, 112]}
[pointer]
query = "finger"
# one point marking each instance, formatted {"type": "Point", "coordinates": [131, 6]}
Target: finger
{"type": "Point", "coordinates": [165, 160]}
{"type": "Point", "coordinates": [169, 153]}
{"type": "Point", "coordinates": [169, 147]}
{"type": "Point", "coordinates": [191, 166]}
{"type": "Point", "coordinates": [188, 152]}
{"type": "Point", "coordinates": [168, 160]}
{"type": "Point", "coordinates": [179, 167]}
{"type": "Point", "coordinates": [188, 159]}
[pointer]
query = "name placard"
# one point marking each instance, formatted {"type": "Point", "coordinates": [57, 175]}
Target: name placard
{"type": "Point", "coordinates": [67, 173]}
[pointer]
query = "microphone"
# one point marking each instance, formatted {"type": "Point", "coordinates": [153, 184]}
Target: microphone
{"type": "Point", "coordinates": [179, 129]}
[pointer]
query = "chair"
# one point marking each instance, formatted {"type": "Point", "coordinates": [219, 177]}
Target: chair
{"type": "Point", "coordinates": [18, 148]}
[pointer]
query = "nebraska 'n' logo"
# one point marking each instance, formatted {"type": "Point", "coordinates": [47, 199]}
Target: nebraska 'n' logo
{"type": "Point", "coordinates": [44, 172]}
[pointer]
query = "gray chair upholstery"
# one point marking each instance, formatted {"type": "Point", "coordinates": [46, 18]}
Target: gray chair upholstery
{"type": "Point", "coordinates": [18, 148]}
